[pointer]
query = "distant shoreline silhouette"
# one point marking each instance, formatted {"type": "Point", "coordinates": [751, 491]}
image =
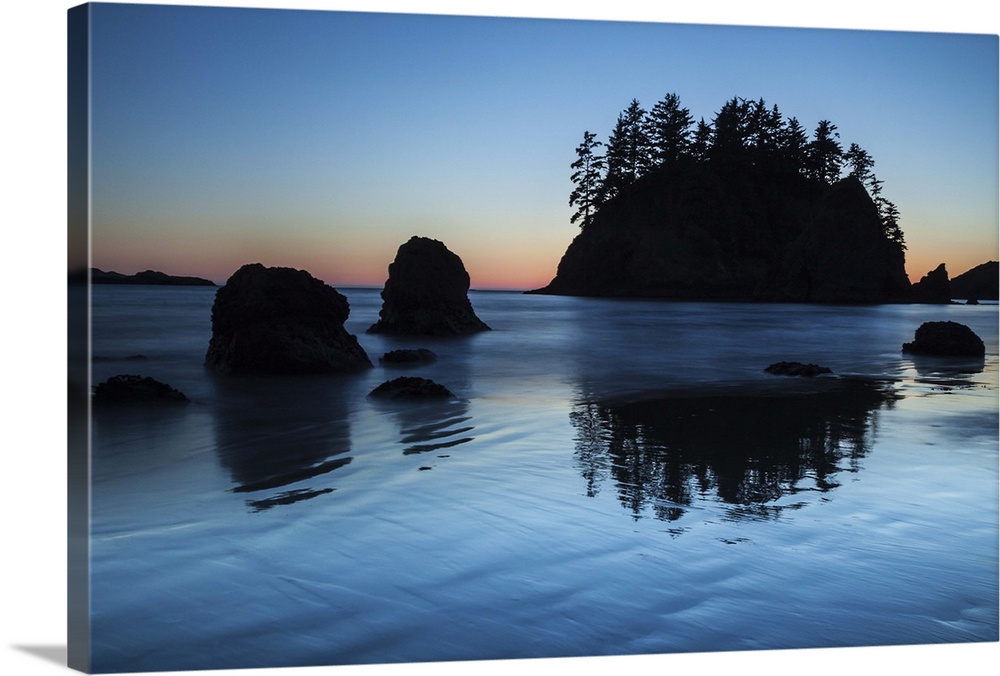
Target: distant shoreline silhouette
{"type": "Point", "coordinates": [151, 277]}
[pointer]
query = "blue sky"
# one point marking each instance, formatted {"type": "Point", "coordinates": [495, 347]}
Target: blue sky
{"type": "Point", "coordinates": [323, 140]}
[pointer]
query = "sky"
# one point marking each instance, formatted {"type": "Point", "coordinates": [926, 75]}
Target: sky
{"type": "Point", "coordinates": [322, 140]}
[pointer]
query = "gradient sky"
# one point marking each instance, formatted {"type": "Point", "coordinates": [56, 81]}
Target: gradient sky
{"type": "Point", "coordinates": [323, 140]}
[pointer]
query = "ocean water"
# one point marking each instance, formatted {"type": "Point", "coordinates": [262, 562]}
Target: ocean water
{"type": "Point", "coordinates": [612, 477]}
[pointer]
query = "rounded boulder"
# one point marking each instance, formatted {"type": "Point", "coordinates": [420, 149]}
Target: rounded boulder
{"type": "Point", "coordinates": [281, 321]}
{"type": "Point", "coordinates": [945, 339]}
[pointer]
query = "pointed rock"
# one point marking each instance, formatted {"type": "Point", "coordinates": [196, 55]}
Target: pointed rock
{"type": "Point", "coordinates": [427, 293]}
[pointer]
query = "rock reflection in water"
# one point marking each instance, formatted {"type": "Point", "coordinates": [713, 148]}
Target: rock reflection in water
{"type": "Point", "coordinates": [428, 426]}
{"type": "Point", "coordinates": [272, 433]}
{"type": "Point", "coordinates": [666, 453]}
{"type": "Point", "coordinates": [958, 372]}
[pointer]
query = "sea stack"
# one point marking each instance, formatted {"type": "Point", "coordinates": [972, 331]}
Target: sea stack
{"type": "Point", "coordinates": [934, 287]}
{"type": "Point", "coordinates": [427, 293]}
{"type": "Point", "coordinates": [281, 321]}
{"type": "Point", "coordinates": [691, 231]}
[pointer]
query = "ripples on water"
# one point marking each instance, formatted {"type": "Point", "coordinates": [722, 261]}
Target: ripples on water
{"type": "Point", "coordinates": [612, 477]}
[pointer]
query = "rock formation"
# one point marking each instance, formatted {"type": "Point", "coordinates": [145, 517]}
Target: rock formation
{"type": "Point", "coordinates": [281, 321]}
{"type": "Point", "coordinates": [427, 293]}
{"type": "Point", "coordinates": [131, 389]}
{"type": "Point", "coordinates": [945, 339]}
{"type": "Point", "coordinates": [794, 368]}
{"type": "Point", "coordinates": [405, 357]}
{"type": "Point", "coordinates": [152, 277]}
{"type": "Point", "coordinates": [410, 388]}
{"type": "Point", "coordinates": [934, 287]}
{"type": "Point", "coordinates": [980, 283]}
{"type": "Point", "coordinates": [687, 231]}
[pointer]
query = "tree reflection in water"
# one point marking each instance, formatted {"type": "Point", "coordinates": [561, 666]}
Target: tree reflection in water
{"type": "Point", "coordinates": [748, 450]}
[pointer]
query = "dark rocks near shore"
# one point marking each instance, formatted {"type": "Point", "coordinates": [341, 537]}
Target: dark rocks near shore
{"type": "Point", "coordinates": [794, 368]}
{"type": "Point", "coordinates": [281, 321]}
{"type": "Point", "coordinates": [945, 339]}
{"type": "Point", "coordinates": [405, 357]}
{"type": "Point", "coordinates": [133, 389]}
{"type": "Point", "coordinates": [406, 387]}
{"type": "Point", "coordinates": [426, 293]}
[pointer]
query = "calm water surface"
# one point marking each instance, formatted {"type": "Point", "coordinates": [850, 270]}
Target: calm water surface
{"type": "Point", "coordinates": [612, 477]}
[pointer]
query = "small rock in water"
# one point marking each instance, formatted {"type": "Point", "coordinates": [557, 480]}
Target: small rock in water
{"type": "Point", "coordinates": [130, 389]}
{"type": "Point", "coordinates": [794, 368]}
{"type": "Point", "coordinates": [946, 339]}
{"type": "Point", "coordinates": [410, 388]}
{"type": "Point", "coordinates": [407, 356]}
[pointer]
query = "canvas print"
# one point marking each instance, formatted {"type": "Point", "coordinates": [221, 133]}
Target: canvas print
{"type": "Point", "coordinates": [410, 338]}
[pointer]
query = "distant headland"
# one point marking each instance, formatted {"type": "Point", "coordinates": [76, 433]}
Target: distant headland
{"type": "Point", "coordinates": [980, 283]}
{"type": "Point", "coordinates": [146, 277]}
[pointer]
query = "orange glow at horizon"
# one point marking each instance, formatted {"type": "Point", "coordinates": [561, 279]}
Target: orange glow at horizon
{"type": "Point", "coordinates": [495, 258]}
{"type": "Point", "coordinates": [487, 269]}
{"type": "Point", "coordinates": [348, 265]}
{"type": "Point", "coordinates": [957, 259]}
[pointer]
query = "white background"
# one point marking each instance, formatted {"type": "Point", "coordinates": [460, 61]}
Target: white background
{"type": "Point", "coordinates": [33, 269]}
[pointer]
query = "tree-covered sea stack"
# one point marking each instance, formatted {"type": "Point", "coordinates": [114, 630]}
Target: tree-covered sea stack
{"type": "Point", "coordinates": [745, 207]}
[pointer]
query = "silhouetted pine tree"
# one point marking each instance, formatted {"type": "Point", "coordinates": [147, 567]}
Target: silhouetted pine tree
{"type": "Point", "coordinates": [794, 146]}
{"type": "Point", "coordinates": [826, 156]}
{"type": "Point", "coordinates": [701, 141]}
{"type": "Point", "coordinates": [730, 135]}
{"type": "Point", "coordinates": [861, 166]}
{"type": "Point", "coordinates": [616, 173]}
{"type": "Point", "coordinates": [637, 147]}
{"type": "Point", "coordinates": [890, 222]}
{"type": "Point", "coordinates": [627, 156]}
{"type": "Point", "coordinates": [668, 128]}
{"type": "Point", "coordinates": [860, 163]}
{"type": "Point", "coordinates": [589, 167]}
{"type": "Point", "coordinates": [764, 129]}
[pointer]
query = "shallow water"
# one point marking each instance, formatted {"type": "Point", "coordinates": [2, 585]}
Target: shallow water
{"type": "Point", "coordinates": [612, 477]}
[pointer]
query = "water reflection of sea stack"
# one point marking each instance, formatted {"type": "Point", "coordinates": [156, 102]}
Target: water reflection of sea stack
{"type": "Point", "coordinates": [427, 293]}
{"type": "Point", "coordinates": [749, 450]}
{"type": "Point", "coordinates": [431, 425]}
{"type": "Point", "coordinates": [281, 437]}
